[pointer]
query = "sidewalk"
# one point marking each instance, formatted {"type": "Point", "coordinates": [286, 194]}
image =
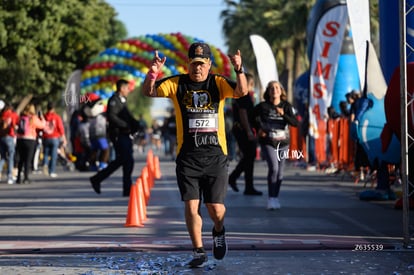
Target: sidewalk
{"type": "Point", "coordinates": [60, 226]}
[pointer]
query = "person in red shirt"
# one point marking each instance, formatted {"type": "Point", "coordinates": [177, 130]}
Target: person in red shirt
{"type": "Point", "coordinates": [53, 135]}
{"type": "Point", "coordinates": [8, 121]}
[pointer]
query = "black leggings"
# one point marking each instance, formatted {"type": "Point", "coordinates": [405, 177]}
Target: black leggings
{"type": "Point", "coordinates": [246, 163]}
{"type": "Point", "coordinates": [276, 159]}
{"type": "Point", "coordinates": [25, 149]}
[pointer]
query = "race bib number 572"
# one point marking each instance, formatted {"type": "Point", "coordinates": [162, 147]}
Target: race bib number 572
{"type": "Point", "coordinates": [202, 125]}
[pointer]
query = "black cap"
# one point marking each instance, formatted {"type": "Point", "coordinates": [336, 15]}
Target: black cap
{"type": "Point", "coordinates": [199, 52]}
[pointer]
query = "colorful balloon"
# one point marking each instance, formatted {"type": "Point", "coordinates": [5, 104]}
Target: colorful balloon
{"type": "Point", "coordinates": [130, 58]}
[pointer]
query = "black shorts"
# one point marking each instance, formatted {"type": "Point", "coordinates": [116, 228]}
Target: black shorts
{"type": "Point", "coordinates": [202, 178]}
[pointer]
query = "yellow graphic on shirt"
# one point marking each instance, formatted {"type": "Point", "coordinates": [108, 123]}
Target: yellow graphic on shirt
{"type": "Point", "coordinates": [202, 116]}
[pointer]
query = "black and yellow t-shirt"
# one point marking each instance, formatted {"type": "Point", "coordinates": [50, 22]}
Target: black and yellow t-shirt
{"type": "Point", "coordinates": [199, 111]}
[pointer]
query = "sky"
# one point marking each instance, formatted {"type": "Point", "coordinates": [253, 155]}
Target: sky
{"type": "Point", "coordinates": [200, 20]}
{"type": "Point", "coordinates": [196, 19]}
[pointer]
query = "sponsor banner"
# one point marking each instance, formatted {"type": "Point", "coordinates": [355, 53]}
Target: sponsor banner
{"type": "Point", "coordinates": [329, 34]}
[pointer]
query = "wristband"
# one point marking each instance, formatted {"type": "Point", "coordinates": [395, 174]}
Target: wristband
{"type": "Point", "coordinates": [152, 75]}
{"type": "Point", "coordinates": [239, 71]}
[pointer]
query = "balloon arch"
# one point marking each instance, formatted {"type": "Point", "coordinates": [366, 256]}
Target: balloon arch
{"type": "Point", "coordinates": [130, 59]}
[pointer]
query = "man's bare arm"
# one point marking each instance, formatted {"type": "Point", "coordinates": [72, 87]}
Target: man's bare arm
{"type": "Point", "coordinates": [241, 88]}
{"type": "Point", "coordinates": [148, 88]}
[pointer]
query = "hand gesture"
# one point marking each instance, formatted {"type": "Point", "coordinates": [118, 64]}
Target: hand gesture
{"type": "Point", "coordinates": [157, 63]}
{"type": "Point", "coordinates": [236, 60]}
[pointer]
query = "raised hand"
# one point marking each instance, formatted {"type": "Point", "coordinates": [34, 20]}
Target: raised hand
{"type": "Point", "coordinates": [157, 63]}
{"type": "Point", "coordinates": [236, 60]}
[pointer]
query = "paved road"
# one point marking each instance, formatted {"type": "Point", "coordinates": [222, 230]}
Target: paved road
{"type": "Point", "coordinates": [60, 226]}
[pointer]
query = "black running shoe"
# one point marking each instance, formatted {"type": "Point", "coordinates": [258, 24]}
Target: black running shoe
{"type": "Point", "coordinates": [96, 185]}
{"type": "Point", "coordinates": [199, 259]}
{"type": "Point", "coordinates": [219, 244]}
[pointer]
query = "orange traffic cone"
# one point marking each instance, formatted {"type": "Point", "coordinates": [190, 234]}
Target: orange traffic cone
{"type": "Point", "coordinates": [150, 164]}
{"type": "Point", "coordinates": [133, 217]}
{"type": "Point", "coordinates": [145, 185]}
{"type": "Point", "coordinates": [258, 153]}
{"type": "Point", "coordinates": [151, 175]}
{"type": "Point", "coordinates": [142, 206]}
{"type": "Point", "coordinates": [157, 171]}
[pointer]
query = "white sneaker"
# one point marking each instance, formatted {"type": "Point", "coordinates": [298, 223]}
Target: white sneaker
{"type": "Point", "coordinates": [10, 181]}
{"type": "Point", "coordinates": [273, 203]}
{"type": "Point", "coordinates": [53, 175]}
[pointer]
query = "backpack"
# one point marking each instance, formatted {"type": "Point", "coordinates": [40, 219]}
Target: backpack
{"type": "Point", "coordinates": [23, 125]}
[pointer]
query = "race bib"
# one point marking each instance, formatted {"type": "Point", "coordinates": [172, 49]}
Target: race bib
{"type": "Point", "coordinates": [203, 123]}
{"type": "Point", "coordinates": [278, 135]}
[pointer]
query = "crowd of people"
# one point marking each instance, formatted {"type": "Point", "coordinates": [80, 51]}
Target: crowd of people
{"type": "Point", "coordinates": [30, 138]}
{"type": "Point", "coordinates": [45, 143]}
{"type": "Point", "coordinates": [350, 109]}
{"type": "Point", "coordinates": [94, 148]}
{"type": "Point", "coordinates": [202, 134]}
{"type": "Point", "coordinates": [34, 142]}
{"type": "Point", "coordinates": [159, 137]}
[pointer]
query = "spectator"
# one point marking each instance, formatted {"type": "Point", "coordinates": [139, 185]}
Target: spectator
{"type": "Point", "coordinates": [98, 136]}
{"type": "Point", "coordinates": [156, 134]}
{"type": "Point", "coordinates": [53, 135]}
{"type": "Point", "coordinates": [142, 135]}
{"type": "Point", "coordinates": [8, 122]}
{"type": "Point", "coordinates": [231, 140]}
{"type": "Point", "coordinates": [246, 140]}
{"type": "Point", "coordinates": [170, 134]}
{"type": "Point", "coordinates": [83, 143]}
{"type": "Point", "coordinates": [343, 106]}
{"type": "Point", "coordinates": [361, 161]}
{"type": "Point", "coordinates": [27, 128]}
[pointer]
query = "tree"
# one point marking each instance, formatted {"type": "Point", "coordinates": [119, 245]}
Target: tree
{"type": "Point", "coordinates": [240, 20]}
{"type": "Point", "coordinates": [139, 104]}
{"type": "Point", "coordinates": [283, 24]}
{"type": "Point", "coordinates": [42, 42]}
{"type": "Point", "coordinates": [290, 20]}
